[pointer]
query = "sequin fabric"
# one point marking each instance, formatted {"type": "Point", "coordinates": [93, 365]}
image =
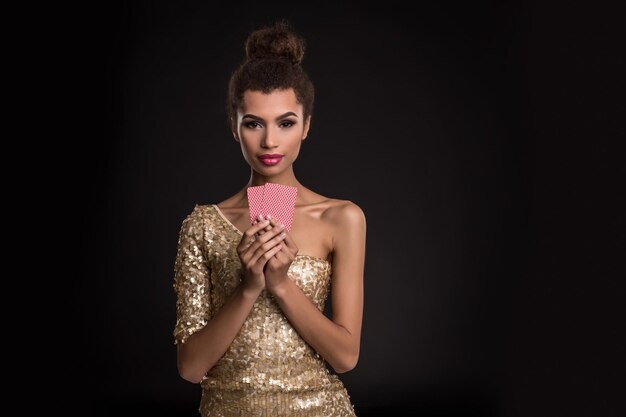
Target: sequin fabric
{"type": "Point", "coordinates": [269, 370]}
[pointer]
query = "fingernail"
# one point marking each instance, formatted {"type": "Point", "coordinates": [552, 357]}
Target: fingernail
{"type": "Point", "coordinates": [268, 216]}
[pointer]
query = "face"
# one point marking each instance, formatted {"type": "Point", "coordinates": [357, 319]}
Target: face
{"type": "Point", "coordinates": [270, 124]}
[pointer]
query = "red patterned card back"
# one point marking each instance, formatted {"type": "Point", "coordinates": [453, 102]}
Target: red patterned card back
{"type": "Point", "coordinates": [255, 201]}
{"type": "Point", "coordinates": [280, 201]}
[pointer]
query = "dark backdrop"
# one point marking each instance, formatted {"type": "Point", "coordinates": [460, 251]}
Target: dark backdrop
{"type": "Point", "coordinates": [478, 139]}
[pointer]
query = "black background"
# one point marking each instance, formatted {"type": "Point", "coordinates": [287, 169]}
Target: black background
{"type": "Point", "coordinates": [481, 140]}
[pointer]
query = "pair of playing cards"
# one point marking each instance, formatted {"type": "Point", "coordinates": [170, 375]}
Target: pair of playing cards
{"type": "Point", "coordinates": [277, 200]}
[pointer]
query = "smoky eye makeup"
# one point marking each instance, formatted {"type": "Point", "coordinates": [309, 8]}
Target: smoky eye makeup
{"type": "Point", "coordinates": [287, 123]}
{"type": "Point", "coordinates": [251, 124]}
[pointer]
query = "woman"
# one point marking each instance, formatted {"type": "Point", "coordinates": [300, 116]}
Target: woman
{"type": "Point", "coordinates": [250, 298]}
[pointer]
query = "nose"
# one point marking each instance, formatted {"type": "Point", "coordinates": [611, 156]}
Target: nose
{"type": "Point", "coordinates": [269, 139]}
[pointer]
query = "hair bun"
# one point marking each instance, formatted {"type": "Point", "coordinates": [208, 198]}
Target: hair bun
{"type": "Point", "coordinates": [277, 41]}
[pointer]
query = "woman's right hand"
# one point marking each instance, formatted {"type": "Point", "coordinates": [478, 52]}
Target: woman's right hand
{"type": "Point", "coordinates": [254, 250]}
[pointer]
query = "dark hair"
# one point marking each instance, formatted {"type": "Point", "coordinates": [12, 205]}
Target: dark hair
{"type": "Point", "coordinates": [274, 56]}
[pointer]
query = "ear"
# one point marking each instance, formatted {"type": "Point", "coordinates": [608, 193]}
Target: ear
{"type": "Point", "coordinates": [307, 125]}
{"type": "Point", "coordinates": [233, 129]}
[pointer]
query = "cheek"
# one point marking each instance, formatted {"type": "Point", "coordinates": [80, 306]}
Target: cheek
{"type": "Point", "coordinates": [248, 138]}
{"type": "Point", "coordinates": [246, 144]}
{"type": "Point", "coordinates": [295, 135]}
{"type": "Point", "coordinates": [295, 148]}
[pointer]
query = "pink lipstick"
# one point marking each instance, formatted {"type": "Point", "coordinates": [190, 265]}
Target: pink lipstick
{"type": "Point", "coordinates": [271, 159]}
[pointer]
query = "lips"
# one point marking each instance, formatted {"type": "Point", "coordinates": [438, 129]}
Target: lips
{"type": "Point", "coordinates": [271, 159]}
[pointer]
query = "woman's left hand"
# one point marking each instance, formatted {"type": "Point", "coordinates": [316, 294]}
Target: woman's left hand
{"type": "Point", "coordinates": [277, 266]}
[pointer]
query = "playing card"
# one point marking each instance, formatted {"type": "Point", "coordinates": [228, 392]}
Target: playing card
{"type": "Point", "coordinates": [279, 201]}
{"type": "Point", "coordinates": [255, 201]}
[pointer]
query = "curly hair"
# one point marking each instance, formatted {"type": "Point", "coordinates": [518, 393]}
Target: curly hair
{"type": "Point", "coordinates": [273, 62]}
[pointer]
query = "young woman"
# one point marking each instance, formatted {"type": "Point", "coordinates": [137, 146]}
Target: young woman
{"type": "Point", "coordinates": [250, 298]}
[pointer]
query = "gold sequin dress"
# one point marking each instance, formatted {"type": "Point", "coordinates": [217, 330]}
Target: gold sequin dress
{"type": "Point", "coordinates": [268, 370]}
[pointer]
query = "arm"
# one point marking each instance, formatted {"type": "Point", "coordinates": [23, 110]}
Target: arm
{"type": "Point", "coordinates": [202, 340]}
{"type": "Point", "coordinates": [204, 348]}
{"type": "Point", "coordinates": [336, 340]}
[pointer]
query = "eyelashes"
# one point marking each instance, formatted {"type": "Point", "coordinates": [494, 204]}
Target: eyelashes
{"type": "Point", "coordinates": [250, 125]}
{"type": "Point", "coordinates": [255, 124]}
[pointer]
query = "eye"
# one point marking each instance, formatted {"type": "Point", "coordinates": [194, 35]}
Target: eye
{"type": "Point", "coordinates": [287, 123]}
{"type": "Point", "coordinates": [252, 124]}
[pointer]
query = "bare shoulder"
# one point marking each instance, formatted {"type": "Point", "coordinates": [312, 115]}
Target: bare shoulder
{"type": "Point", "coordinates": [348, 225]}
{"type": "Point", "coordinates": [345, 215]}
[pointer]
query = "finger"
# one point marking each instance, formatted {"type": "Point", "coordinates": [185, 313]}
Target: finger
{"type": "Point", "coordinates": [252, 230]}
{"type": "Point", "coordinates": [257, 259]}
{"type": "Point", "coordinates": [281, 230]}
{"type": "Point", "coordinates": [272, 252]}
{"type": "Point", "coordinates": [273, 222]}
{"type": "Point", "coordinates": [264, 229]}
{"type": "Point", "coordinates": [244, 249]}
{"type": "Point", "coordinates": [256, 249]}
{"type": "Point", "coordinates": [271, 242]}
{"type": "Point", "coordinates": [271, 231]}
{"type": "Point", "coordinates": [269, 226]}
{"type": "Point", "coordinates": [250, 242]}
{"type": "Point", "coordinates": [243, 246]}
{"type": "Point", "coordinates": [261, 258]}
{"type": "Point", "coordinates": [282, 255]}
{"type": "Point", "coordinates": [289, 242]}
{"type": "Point", "coordinates": [248, 239]}
{"type": "Point", "coordinates": [267, 238]}
{"type": "Point", "coordinates": [261, 238]}
{"type": "Point", "coordinates": [258, 219]}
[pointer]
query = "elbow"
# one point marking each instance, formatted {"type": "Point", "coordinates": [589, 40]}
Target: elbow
{"type": "Point", "coordinates": [190, 375]}
{"type": "Point", "coordinates": [347, 364]}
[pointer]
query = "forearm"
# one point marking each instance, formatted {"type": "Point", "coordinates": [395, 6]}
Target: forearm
{"type": "Point", "coordinates": [332, 341]}
{"type": "Point", "coordinates": [204, 348]}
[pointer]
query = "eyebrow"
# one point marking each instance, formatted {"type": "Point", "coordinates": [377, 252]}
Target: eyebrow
{"type": "Point", "coordinates": [282, 116]}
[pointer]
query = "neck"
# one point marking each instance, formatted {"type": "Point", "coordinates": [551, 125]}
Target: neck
{"type": "Point", "coordinates": [286, 177]}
